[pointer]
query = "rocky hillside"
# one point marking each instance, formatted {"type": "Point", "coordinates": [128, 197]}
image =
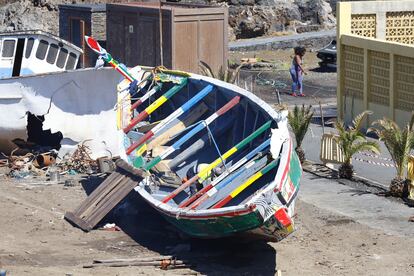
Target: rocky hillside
{"type": "Point", "coordinates": [35, 14]}
{"type": "Point", "coordinates": [247, 18]}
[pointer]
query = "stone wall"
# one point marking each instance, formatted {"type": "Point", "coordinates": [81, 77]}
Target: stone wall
{"type": "Point", "coordinates": [99, 25]}
{"type": "Point", "coordinates": [247, 18]}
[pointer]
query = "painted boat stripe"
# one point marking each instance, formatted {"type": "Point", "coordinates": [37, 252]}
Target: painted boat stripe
{"type": "Point", "coordinates": [212, 191]}
{"type": "Point", "coordinates": [204, 173]}
{"type": "Point", "coordinates": [246, 184]}
{"type": "Point", "coordinates": [191, 133]}
{"type": "Point", "coordinates": [225, 174]}
{"type": "Point", "coordinates": [156, 104]}
{"type": "Point", "coordinates": [286, 170]}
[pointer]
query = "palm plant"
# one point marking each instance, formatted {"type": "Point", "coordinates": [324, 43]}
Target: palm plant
{"type": "Point", "coordinates": [224, 74]}
{"type": "Point", "coordinates": [351, 140]}
{"type": "Point", "coordinates": [299, 120]}
{"type": "Point", "coordinates": [399, 143]}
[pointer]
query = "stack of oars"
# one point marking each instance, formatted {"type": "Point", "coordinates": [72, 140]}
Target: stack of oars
{"type": "Point", "coordinates": [163, 262]}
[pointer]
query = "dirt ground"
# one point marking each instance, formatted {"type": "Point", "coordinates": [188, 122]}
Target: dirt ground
{"type": "Point", "coordinates": [319, 85]}
{"type": "Point", "coordinates": [36, 240]}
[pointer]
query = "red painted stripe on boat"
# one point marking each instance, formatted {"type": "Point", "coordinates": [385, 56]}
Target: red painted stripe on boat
{"type": "Point", "coordinates": [197, 203]}
{"type": "Point", "coordinates": [229, 213]}
{"type": "Point", "coordinates": [196, 196]}
{"type": "Point", "coordinates": [222, 202]}
{"type": "Point", "coordinates": [141, 116]}
{"type": "Point", "coordinates": [282, 216]}
{"type": "Point", "coordinates": [136, 104]}
{"type": "Point", "coordinates": [138, 143]}
{"type": "Point", "coordinates": [286, 167]}
{"type": "Point", "coordinates": [228, 106]}
{"type": "Point", "coordinates": [180, 189]}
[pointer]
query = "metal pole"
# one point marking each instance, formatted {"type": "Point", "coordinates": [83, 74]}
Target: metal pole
{"type": "Point", "coordinates": [322, 118]}
{"type": "Point", "coordinates": [161, 42]}
{"type": "Point", "coordinates": [278, 96]}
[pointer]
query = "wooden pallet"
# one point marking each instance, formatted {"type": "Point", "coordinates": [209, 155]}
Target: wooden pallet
{"type": "Point", "coordinates": [104, 198]}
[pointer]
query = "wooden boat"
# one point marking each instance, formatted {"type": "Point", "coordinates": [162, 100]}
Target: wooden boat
{"type": "Point", "coordinates": [217, 160]}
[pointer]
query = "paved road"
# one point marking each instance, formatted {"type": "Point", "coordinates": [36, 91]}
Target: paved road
{"type": "Point", "coordinates": [377, 172]}
{"type": "Point", "coordinates": [246, 43]}
{"type": "Point", "coordinates": [368, 209]}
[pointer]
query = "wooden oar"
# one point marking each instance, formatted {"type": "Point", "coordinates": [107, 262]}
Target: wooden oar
{"type": "Point", "coordinates": [146, 96]}
{"type": "Point", "coordinates": [206, 171]}
{"type": "Point", "coordinates": [94, 45]}
{"type": "Point", "coordinates": [202, 193]}
{"type": "Point", "coordinates": [152, 107]}
{"type": "Point", "coordinates": [225, 182]}
{"type": "Point", "coordinates": [246, 184]}
{"type": "Point", "coordinates": [193, 132]}
{"type": "Point", "coordinates": [184, 108]}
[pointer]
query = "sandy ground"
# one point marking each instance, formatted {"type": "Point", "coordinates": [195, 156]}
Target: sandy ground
{"type": "Point", "coordinates": [36, 240]}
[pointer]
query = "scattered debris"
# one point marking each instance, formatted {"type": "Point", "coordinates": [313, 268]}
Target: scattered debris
{"type": "Point", "coordinates": [105, 164]}
{"type": "Point", "coordinates": [110, 227]}
{"type": "Point", "coordinates": [21, 166]}
{"type": "Point", "coordinates": [70, 183]}
{"type": "Point", "coordinates": [80, 161]}
{"type": "Point", "coordinates": [163, 262]}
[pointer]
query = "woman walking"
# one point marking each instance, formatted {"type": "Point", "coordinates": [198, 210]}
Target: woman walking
{"type": "Point", "coordinates": [297, 72]}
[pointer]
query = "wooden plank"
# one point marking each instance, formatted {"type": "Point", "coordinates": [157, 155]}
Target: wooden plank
{"type": "Point", "coordinates": [103, 199]}
{"type": "Point", "coordinates": [191, 118]}
{"type": "Point", "coordinates": [91, 197]}
{"type": "Point", "coordinates": [158, 150]}
{"type": "Point", "coordinates": [162, 166]}
{"type": "Point", "coordinates": [96, 204]}
{"type": "Point", "coordinates": [106, 206]}
{"type": "Point", "coordinates": [148, 127]}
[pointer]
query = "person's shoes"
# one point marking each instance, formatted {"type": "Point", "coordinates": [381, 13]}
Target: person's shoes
{"type": "Point", "coordinates": [302, 95]}
{"type": "Point", "coordinates": [293, 94]}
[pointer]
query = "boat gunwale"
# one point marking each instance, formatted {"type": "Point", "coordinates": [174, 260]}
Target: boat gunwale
{"type": "Point", "coordinates": [279, 116]}
{"type": "Point", "coordinates": [247, 207]}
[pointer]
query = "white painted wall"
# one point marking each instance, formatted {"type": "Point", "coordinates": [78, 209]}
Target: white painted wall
{"type": "Point", "coordinates": [77, 103]}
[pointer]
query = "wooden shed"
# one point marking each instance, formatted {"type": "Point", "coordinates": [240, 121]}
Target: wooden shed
{"type": "Point", "coordinates": [190, 33]}
{"type": "Point", "coordinates": [78, 20]}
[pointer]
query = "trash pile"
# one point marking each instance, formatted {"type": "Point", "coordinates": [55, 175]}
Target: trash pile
{"type": "Point", "coordinates": [48, 164]}
{"type": "Point", "coordinates": [79, 162]}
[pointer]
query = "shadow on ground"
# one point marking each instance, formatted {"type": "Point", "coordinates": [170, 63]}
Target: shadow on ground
{"type": "Point", "coordinates": [233, 255]}
{"type": "Point", "coordinates": [323, 69]}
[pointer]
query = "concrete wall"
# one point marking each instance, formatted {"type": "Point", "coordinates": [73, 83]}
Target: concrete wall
{"type": "Point", "coordinates": [376, 59]}
{"type": "Point", "coordinates": [385, 20]}
{"type": "Point", "coordinates": [79, 104]}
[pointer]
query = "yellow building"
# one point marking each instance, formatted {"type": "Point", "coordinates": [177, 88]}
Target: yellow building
{"type": "Point", "coordinates": [376, 59]}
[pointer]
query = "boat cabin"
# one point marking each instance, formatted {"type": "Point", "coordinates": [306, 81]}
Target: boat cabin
{"type": "Point", "coordinates": [34, 52]}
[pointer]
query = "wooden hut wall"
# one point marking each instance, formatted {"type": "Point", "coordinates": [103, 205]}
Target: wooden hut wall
{"type": "Point", "coordinates": [76, 21]}
{"type": "Point", "coordinates": [189, 35]}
